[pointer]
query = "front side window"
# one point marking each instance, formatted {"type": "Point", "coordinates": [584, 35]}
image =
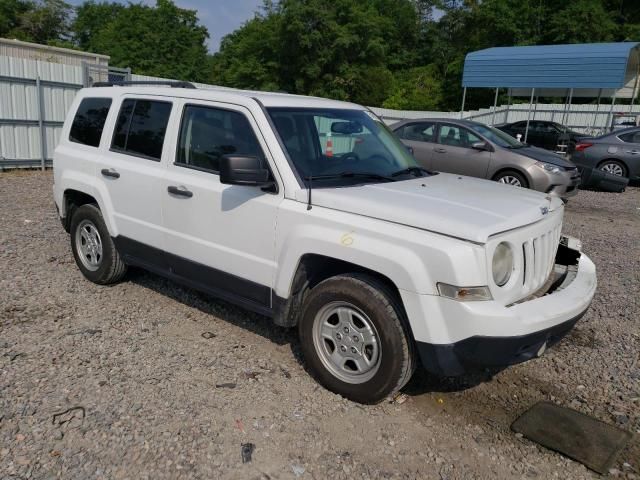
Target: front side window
{"type": "Point", "coordinates": [496, 136]}
{"type": "Point", "coordinates": [419, 132]}
{"type": "Point", "coordinates": [208, 133]}
{"type": "Point", "coordinates": [89, 121]}
{"type": "Point", "coordinates": [456, 136]}
{"type": "Point", "coordinates": [141, 127]}
{"type": "Point", "coordinates": [343, 142]}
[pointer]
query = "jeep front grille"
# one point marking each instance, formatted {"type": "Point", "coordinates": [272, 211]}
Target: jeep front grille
{"type": "Point", "coordinates": [538, 258]}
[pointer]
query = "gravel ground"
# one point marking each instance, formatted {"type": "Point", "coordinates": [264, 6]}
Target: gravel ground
{"type": "Point", "coordinates": [146, 379]}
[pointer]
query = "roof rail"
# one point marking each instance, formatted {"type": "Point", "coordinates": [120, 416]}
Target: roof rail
{"type": "Point", "coordinates": [168, 83]}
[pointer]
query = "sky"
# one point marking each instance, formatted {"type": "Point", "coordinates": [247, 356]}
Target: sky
{"type": "Point", "coordinates": [221, 17]}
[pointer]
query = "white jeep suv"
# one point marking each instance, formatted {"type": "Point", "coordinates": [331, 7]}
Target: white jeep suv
{"type": "Point", "coordinates": [311, 212]}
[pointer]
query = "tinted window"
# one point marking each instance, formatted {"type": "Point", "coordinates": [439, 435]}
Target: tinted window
{"type": "Point", "coordinates": [208, 133]}
{"type": "Point", "coordinates": [420, 132]}
{"type": "Point", "coordinates": [141, 127]}
{"type": "Point", "coordinates": [631, 137]}
{"type": "Point", "coordinates": [457, 137]}
{"type": "Point", "coordinates": [89, 121]}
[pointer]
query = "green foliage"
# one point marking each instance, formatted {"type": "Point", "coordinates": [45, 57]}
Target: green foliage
{"type": "Point", "coordinates": [164, 40]}
{"type": "Point", "coordinates": [406, 54]}
{"type": "Point", "coordinates": [41, 21]}
{"type": "Point", "coordinates": [418, 88]}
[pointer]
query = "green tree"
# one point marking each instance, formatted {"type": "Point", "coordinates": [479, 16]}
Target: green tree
{"type": "Point", "coordinates": [161, 40]}
{"type": "Point", "coordinates": [418, 88]}
{"type": "Point", "coordinates": [42, 21]}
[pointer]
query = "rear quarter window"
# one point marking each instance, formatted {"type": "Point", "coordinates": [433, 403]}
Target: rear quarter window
{"type": "Point", "coordinates": [141, 127]}
{"type": "Point", "coordinates": [89, 121]}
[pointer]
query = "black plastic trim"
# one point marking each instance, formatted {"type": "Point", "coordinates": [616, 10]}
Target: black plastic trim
{"type": "Point", "coordinates": [240, 291]}
{"type": "Point", "coordinates": [478, 352]}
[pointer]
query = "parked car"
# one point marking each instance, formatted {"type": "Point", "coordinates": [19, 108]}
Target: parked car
{"type": "Point", "coordinates": [616, 153]}
{"type": "Point", "coordinates": [471, 148]}
{"type": "Point", "coordinates": [544, 134]}
{"type": "Point", "coordinates": [311, 212]}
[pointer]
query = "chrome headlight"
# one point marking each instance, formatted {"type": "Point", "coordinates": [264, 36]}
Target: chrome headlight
{"type": "Point", "coordinates": [549, 167]}
{"type": "Point", "coordinates": [502, 264]}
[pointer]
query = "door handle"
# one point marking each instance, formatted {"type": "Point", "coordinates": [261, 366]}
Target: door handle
{"type": "Point", "coordinates": [110, 172]}
{"type": "Point", "coordinates": [180, 191]}
{"type": "Point", "coordinates": [633, 152]}
{"type": "Point", "coordinates": [440, 150]}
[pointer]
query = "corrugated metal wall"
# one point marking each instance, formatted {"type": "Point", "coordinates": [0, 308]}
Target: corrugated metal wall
{"type": "Point", "coordinates": [23, 109]}
{"type": "Point", "coordinates": [45, 53]}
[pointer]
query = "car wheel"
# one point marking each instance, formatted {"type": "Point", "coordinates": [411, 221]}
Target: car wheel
{"type": "Point", "coordinates": [355, 339]}
{"type": "Point", "coordinates": [93, 249]}
{"type": "Point", "coordinates": [513, 178]}
{"type": "Point", "coordinates": [613, 167]}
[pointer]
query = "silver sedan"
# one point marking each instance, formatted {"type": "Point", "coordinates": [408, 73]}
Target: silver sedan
{"type": "Point", "coordinates": [477, 150]}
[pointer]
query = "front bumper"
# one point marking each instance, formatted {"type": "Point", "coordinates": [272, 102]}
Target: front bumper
{"type": "Point", "coordinates": [466, 336]}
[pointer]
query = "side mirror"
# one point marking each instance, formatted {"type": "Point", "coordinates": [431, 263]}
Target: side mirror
{"type": "Point", "coordinates": [481, 146]}
{"type": "Point", "coordinates": [243, 170]}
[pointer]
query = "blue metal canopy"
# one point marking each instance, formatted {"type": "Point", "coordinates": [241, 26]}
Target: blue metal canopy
{"type": "Point", "coordinates": [586, 65]}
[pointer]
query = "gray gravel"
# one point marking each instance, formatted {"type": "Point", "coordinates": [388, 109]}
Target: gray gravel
{"type": "Point", "coordinates": [120, 382]}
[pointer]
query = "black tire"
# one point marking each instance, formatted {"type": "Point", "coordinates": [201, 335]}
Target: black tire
{"type": "Point", "coordinates": [614, 163]}
{"type": "Point", "coordinates": [110, 268]}
{"type": "Point", "coordinates": [512, 173]}
{"type": "Point", "coordinates": [397, 358]}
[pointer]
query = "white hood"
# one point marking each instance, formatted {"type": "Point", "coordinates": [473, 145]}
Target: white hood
{"type": "Point", "coordinates": [454, 205]}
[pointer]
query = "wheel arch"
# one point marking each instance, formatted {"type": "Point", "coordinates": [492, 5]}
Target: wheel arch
{"type": "Point", "coordinates": [314, 268]}
{"type": "Point", "coordinates": [513, 168]}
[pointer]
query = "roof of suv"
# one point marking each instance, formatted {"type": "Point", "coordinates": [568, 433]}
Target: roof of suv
{"type": "Point", "coordinates": [268, 99]}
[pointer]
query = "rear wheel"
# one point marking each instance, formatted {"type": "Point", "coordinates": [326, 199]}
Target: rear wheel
{"type": "Point", "coordinates": [355, 338]}
{"type": "Point", "coordinates": [511, 177]}
{"type": "Point", "coordinates": [613, 167]}
{"type": "Point", "coordinates": [93, 249]}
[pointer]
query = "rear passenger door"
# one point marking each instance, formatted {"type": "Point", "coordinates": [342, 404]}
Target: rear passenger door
{"type": "Point", "coordinates": [454, 154]}
{"type": "Point", "coordinates": [131, 172]}
{"type": "Point", "coordinates": [421, 137]}
{"type": "Point", "coordinates": [219, 238]}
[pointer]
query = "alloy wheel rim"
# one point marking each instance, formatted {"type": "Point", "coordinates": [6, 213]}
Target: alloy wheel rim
{"type": "Point", "coordinates": [347, 342]}
{"type": "Point", "coordinates": [612, 168]}
{"type": "Point", "coordinates": [89, 245]}
{"type": "Point", "coordinates": [510, 180]}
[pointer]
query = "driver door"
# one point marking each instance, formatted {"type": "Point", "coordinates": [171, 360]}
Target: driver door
{"type": "Point", "coordinates": [219, 238]}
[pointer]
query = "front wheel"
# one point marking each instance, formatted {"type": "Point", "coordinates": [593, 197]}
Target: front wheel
{"type": "Point", "coordinates": [355, 339]}
{"type": "Point", "coordinates": [513, 178]}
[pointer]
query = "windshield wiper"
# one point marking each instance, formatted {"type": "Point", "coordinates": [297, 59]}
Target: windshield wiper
{"type": "Point", "coordinates": [414, 170]}
{"type": "Point", "coordinates": [332, 176]}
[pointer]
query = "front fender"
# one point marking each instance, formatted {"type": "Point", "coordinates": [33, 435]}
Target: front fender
{"type": "Point", "coordinates": [414, 260]}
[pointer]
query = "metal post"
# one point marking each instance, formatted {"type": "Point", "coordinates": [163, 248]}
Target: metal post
{"type": "Point", "coordinates": [464, 97]}
{"type": "Point", "coordinates": [597, 112]}
{"type": "Point", "coordinates": [610, 116]}
{"type": "Point", "coordinates": [526, 131]}
{"type": "Point", "coordinates": [506, 113]}
{"type": "Point", "coordinates": [495, 105]}
{"type": "Point", "coordinates": [43, 138]}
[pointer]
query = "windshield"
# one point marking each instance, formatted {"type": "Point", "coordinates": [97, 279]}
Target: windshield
{"type": "Point", "coordinates": [330, 142]}
{"type": "Point", "coordinates": [496, 136]}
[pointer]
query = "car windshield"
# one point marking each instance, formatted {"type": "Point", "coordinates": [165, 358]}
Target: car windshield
{"type": "Point", "coordinates": [496, 136]}
{"type": "Point", "coordinates": [343, 146]}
